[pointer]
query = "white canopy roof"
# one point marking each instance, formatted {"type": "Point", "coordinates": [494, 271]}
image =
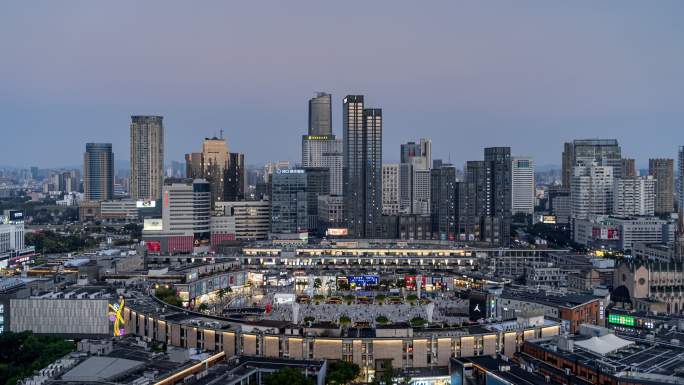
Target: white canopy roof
{"type": "Point", "coordinates": [604, 344]}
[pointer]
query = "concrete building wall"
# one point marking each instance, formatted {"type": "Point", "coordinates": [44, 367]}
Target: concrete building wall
{"type": "Point", "coordinates": [88, 317]}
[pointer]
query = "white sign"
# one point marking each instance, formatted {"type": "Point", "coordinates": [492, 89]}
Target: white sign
{"type": "Point", "coordinates": [153, 224]}
{"type": "Point", "coordinates": [145, 204]}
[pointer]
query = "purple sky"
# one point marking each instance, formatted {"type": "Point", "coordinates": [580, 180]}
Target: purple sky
{"type": "Point", "coordinates": [529, 74]}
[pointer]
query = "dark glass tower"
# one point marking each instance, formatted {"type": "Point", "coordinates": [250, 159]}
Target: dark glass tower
{"type": "Point", "coordinates": [320, 114]}
{"type": "Point", "coordinates": [362, 167]}
{"type": "Point", "coordinates": [443, 202]}
{"type": "Point", "coordinates": [98, 172]}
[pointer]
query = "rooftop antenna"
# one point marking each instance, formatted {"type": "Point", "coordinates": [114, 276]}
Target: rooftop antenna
{"type": "Point", "coordinates": [221, 133]}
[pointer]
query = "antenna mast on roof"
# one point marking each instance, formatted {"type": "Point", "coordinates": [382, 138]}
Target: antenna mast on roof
{"type": "Point", "coordinates": [221, 133]}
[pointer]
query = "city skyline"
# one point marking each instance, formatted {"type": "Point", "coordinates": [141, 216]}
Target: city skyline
{"type": "Point", "coordinates": [503, 78]}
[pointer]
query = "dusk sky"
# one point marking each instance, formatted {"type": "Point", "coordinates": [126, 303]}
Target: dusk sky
{"type": "Point", "coordinates": [525, 74]}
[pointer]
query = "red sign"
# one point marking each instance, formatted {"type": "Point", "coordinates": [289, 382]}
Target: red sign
{"type": "Point", "coordinates": [153, 246]}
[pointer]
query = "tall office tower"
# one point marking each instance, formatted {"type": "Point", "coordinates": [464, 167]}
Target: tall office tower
{"type": "Point", "coordinates": [443, 202]}
{"type": "Point", "coordinates": [320, 114]}
{"type": "Point", "coordinates": [317, 185]}
{"type": "Point", "coordinates": [568, 162]}
{"type": "Point", "coordinates": [390, 189]}
{"type": "Point", "coordinates": [422, 150]}
{"type": "Point", "coordinates": [362, 167]}
{"type": "Point", "coordinates": [414, 178]}
{"type": "Point", "coordinates": [186, 209]}
{"type": "Point", "coordinates": [98, 172]}
{"type": "Point", "coordinates": [662, 171]}
{"type": "Point", "coordinates": [234, 181]}
{"type": "Point", "coordinates": [325, 151]}
{"type": "Point", "coordinates": [147, 157]}
{"type": "Point", "coordinates": [603, 152]}
{"type": "Point", "coordinates": [592, 191]}
{"type": "Point", "coordinates": [523, 185]}
{"type": "Point", "coordinates": [681, 181]}
{"type": "Point", "coordinates": [628, 168]}
{"type": "Point", "coordinates": [497, 228]}
{"type": "Point", "coordinates": [211, 164]}
{"type": "Point", "coordinates": [289, 211]}
{"type": "Point", "coordinates": [634, 196]}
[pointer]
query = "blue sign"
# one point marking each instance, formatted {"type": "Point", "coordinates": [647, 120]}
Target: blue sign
{"type": "Point", "coordinates": [363, 280]}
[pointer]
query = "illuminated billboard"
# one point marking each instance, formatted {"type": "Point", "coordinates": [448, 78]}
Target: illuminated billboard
{"type": "Point", "coordinates": [152, 224]}
{"type": "Point", "coordinates": [621, 319]}
{"type": "Point", "coordinates": [548, 219]}
{"type": "Point", "coordinates": [143, 204]}
{"type": "Point", "coordinates": [337, 232]}
{"type": "Point", "coordinates": [363, 280]}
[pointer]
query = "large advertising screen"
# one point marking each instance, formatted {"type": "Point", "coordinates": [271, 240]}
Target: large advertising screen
{"type": "Point", "coordinates": [363, 280]}
{"type": "Point", "coordinates": [143, 204]}
{"type": "Point", "coordinates": [152, 224]}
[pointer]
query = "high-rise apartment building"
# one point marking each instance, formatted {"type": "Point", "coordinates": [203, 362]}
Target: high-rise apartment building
{"type": "Point", "coordinates": [662, 171]}
{"type": "Point", "coordinates": [443, 202]}
{"type": "Point", "coordinates": [592, 191]}
{"type": "Point", "coordinates": [98, 172]}
{"type": "Point", "coordinates": [320, 115]}
{"type": "Point", "coordinates": [629, 168]}
{"type": "Point", "coordinates": [289, 209]}
{"type": "Point", "coordinates": [390, 189]}
{"type": "Point", "coordinates": [147, 157]}
{"type": "Point", "coordinates": [498, 189]}
{"type": "Point", "coordinates": [603, 152]}
{"type": "Point", "coordinates": [523, 187]}
{"type": "Point", "coordinates": [362, 167]}
{"type": "Point", "coordinates": [634, 196]}
{"type": "Point", "coordinates": [325, 151]}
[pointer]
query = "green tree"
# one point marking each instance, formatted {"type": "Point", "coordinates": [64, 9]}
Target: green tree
{"type": "Point", "coordinates": [23, 353]}
{"type": "Point", "coordinates": [287, 376]}
{"type": "Point", "coordinates": [341, 372]}
{"type": "Point", "coordinates": [345, 320]}
{"type": "Point", "coordinates": [382, 320]}
{"type": "Point", "coordinates": [203, 307]}
{"type": "Point", "coordinates": [418, 322]}
{"type": "Point", "coordinates": [317, 283]}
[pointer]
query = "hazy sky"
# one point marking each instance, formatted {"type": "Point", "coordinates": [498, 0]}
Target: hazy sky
{"type": "Point", "coordinates": [529, 74]}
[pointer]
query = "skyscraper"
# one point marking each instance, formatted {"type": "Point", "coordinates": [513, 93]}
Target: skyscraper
{"type": "Point", "coordinates": [422, 150]}
{"type": "Point", "coordinates": [634, 196]}
{"type": "Point", "coordinates": [324, 151]}
{"type": "Point", "coordinates": [147, 157]}
{"type": "Point", "coordinates": [592, 191]}
{"type": "Point", "coordinates": [443, 202]}
{"type": "Point", "coordinates": [568, 162]}
{"type": "Point", "coordinates": [414, 185]}
{"type": "Point", "coordinates": [603, 152]}
{"type": "Point", "coordinates": [662, 171]}
{"type": "Point", "coordinates": [498, 188]}
{"type": "Point", "coordinates": [390, 189]}
{"type": "Point", "coordinates": [681, 179]}
{"type": "Point", "coordinates": [234, 181]}
{"type": "Point", "coordinates": [320, 114]}
{"type": "Point", "coordinates": [628, 168]}
{"type": "Point", "coordinates": [289, 210]}
{"type": "Point", "coordinates": [98, 172]}
{"type": "Point", "coordinates": [210, 164]}
{"type": "Point", "coordinates": [523, 185]}
{"type": "Point", "coordinates": [317, 185]}
{"type": "Point", "coordinates": [362, 167]}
